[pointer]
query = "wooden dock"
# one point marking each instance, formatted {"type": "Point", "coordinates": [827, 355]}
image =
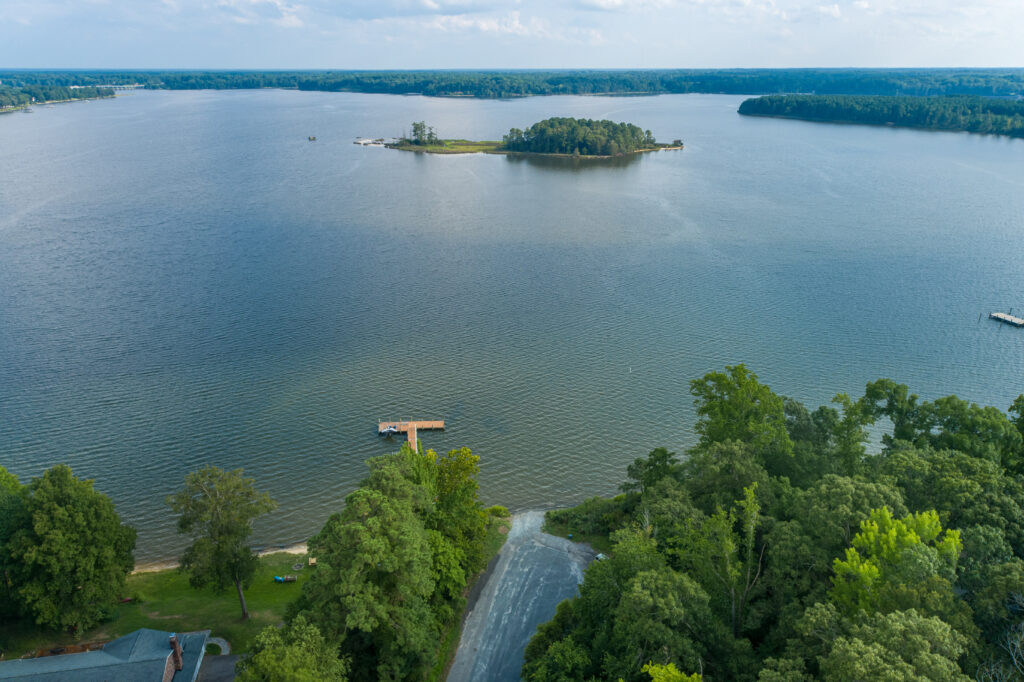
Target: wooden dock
{"type": "Point", "coordinates": [1008, 319]}
{"type": "Point", "coordinates": [409, 427]}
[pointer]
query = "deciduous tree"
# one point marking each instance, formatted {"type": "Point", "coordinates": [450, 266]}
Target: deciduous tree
{"type": "Point", "coordinates": [217, 508]}
{"type": "Point", "coordinates": [69, 552]}
{"type": "Point", "coordinates": [733, 405]}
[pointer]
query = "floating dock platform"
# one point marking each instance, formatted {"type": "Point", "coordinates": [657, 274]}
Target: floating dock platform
{"type": "Point", "coordinates": [409, 427]}
{"type": "Point", "coordinates": [1007, 319]}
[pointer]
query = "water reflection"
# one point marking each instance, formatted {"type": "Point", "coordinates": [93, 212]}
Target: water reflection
{"type": "Point", "coordinates": [573, 163]}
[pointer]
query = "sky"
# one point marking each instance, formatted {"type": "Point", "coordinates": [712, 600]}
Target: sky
{"type": "Point", "coordinates": [480, 34]}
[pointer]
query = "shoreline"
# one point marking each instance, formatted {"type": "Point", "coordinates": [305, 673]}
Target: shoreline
{"type": "Point", "coordinates": [496, 150]}
{"type": "Point", "coordinates": [874, 124]}
{"type": "Point", "coordinates": [29, 105]}
{"type": "Point", "coordinates": [297, 548]}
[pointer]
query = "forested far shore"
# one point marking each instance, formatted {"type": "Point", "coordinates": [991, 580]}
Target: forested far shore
{"type": "Point", "coordinates": [778, 549]}
{"type": "Point", "coordinates": [13, 97]}
{"type": "Point", "coordinates": [510, 83]}
{"type": "Point", "coordinates": [950, 113]}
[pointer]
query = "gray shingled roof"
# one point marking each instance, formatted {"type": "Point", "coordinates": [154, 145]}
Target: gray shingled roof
{"type": "Point", "coordinates": [139, 656]}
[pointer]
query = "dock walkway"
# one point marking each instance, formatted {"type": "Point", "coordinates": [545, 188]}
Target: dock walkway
{"type": "Point", "coordinates": [409, 427]}
{"type": "Point", "coordinates": [1008, 319]}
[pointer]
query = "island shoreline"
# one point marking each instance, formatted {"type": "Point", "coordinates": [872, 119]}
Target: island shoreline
{"type": "Point", "coordinates": [507, 152]}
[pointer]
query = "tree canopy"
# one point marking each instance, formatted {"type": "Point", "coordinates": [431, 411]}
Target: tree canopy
{"type": "Point", "coordinates": [294, 653]}
{"type": "Point", "coordinates": [578, 136]}
{"type": "Point", "coordinates": [65, 551]}
{"type": "Point", "coordinates": [392, 565]}
{"type": "Point", "coordinates": [779, 548]}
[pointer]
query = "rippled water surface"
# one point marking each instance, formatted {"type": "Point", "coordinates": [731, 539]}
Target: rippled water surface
{"type": "Point", "coordinates": [185, 279]}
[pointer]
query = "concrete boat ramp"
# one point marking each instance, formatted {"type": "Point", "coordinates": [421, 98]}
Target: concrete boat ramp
{"type": "Point", "coordinates": [534, 572]}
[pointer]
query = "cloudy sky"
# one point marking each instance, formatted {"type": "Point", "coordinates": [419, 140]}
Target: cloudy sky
{"type": "Point", "coordinates": [413, 34]}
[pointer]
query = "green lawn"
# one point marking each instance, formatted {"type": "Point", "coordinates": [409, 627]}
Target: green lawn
{"type": "Point", "coordinates": [453, 147]}
{"type": "Point", "coordinates": [165, 601]}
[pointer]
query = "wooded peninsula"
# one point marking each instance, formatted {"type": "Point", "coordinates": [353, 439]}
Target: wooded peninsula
{"type": "Point", "coordinates": [950, 113]}
{"type": "Point", "coordinates": [571, 137]}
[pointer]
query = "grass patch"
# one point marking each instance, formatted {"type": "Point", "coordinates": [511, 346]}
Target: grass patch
{"type": "Point", "coordinates": [163, 600]}
{"type": "Point", "coordinates": [599, 542]}
{"type": "Point", "coordinates": [453, 147]}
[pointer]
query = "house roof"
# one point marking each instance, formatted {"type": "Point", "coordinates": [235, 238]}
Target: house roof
{"type": "Point", "coordinates": [140, 656]}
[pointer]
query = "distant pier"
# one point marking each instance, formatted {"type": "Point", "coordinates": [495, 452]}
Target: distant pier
{"type": "Point", "coordinates": [409, 427]}
{"type": "Point", "coordinates": [1007, 318]}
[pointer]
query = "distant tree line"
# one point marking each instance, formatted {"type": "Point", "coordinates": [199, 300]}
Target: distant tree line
{"type": "Point", "coordinates": [503, 84]}
{"type": "Point", "coordinates": [582, 137]}
{"type": "Point", "coordinates": [15, 96]}
{"type": "Point", "coordinates": [966, 113]}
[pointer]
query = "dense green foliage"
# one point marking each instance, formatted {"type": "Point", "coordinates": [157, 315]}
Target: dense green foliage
{"type": "Point", "coordinates": [500, 84]}
{"type": "Point", "coordinates": [392, 566]}
{"type": "Point", "coordinates": [63, 550]}
{"type": "Point", "coordinates": [971, 114]}
{"type": "Point", "coordinates": [779, 549]}
{"type": "Point", "coordinates": [295, 653]}
{"type": "Point", "coordinates": [15, 96]}
{"type": "Point", "coordinates": [582, 137]}
{"type": "Point", "coordinates": [217, 508]}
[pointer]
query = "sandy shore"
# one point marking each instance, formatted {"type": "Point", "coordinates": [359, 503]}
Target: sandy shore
{"type": "Point", "coordinates": [297, 548]}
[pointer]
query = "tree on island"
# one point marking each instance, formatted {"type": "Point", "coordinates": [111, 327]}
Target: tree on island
{"type": "Point", "coordinates": [66, 552]}
{"type": "Point", "coordinates": [217, 508]}
{"type": "Point", "coordinates": [422, 134]}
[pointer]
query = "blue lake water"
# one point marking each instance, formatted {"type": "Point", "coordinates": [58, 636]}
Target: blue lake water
{"type": "Point", "coordinates": [185, 279]}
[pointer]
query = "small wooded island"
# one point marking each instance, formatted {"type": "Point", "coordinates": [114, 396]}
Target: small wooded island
{"type": "Point", "coordinates": [570, 137]}
{"type": "Point", "coordinates": [962, 113]}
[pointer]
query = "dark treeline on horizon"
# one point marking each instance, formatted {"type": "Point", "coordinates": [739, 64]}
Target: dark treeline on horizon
{"type": "Point", "coordinates": [961, 113]}
{"type": "Point", "coordinates": [511, 83]}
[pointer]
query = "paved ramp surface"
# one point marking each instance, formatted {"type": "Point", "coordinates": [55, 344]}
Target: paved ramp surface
{"type": "Point", "coordinates": [535, 571]}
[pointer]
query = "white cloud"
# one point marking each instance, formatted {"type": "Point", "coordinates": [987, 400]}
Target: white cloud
{"type": "Point", "coordinates": [533, 33]}
{"type": "Point", "coordinates": [509, 24]}
{"type": "Point", "coordinates": [830, 10]}
{"type": "Point", "coordinates": [625, 5]}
